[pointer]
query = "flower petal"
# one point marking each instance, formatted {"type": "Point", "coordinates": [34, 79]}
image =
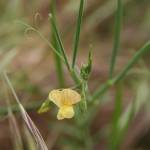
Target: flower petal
{"type": "Point", "coordinates": [64, 97]}
{"type": "Point", "coordinates": [65, 112]}
{"type": "Point", "coordinates": [56, 97]}
{"type": "Point", "coordinates": [70, 97]}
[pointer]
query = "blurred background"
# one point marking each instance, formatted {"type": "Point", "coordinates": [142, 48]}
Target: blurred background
{"type": "Point", "coordinates": [33, 72]}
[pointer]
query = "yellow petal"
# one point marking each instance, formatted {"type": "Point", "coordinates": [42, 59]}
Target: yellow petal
{"type": "Point", "coordinates": [65, 112]}
{"type": "Point", "coordinates": [56, 97]}
{"type": "Point", "coordinates": [70, 97]}
{"type": "Point", "coordinates": [64, 97]}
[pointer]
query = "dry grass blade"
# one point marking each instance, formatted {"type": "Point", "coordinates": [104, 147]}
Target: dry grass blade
{"type": "Point", "coordinates": [16, 136]}
{"type": "Point", "coordinates": [31, 145]}
{"type": "Point", "coordinates": [31, 126]}
{"type": "Point", "coordinates": [14, 129]}
{"type": "Point", "coordinates": [7, 59]}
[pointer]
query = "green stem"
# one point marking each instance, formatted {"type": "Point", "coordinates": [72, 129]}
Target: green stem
{"type": "Point", "coordinates": [75, 76]}
{"type": "Point", "coordinates": [113, 138]}
{"type": "Point", "coordinates": [57, 35]}
{"type": "Point", "coordinates": [84, 94]}
{"type": "Point", "coordinates": [71, 71]}
{"type": "Point", "coordinates": [123, 73]}
{"type": "Point", "coordinates": [59, 69]}
{"type": "Point", "coordinates": [30, 28]}
{"type": "Point", "coordinates": [58, 64]}
{"type": "Point", "coordinates": [77, 33]}
{"type": "Point", "coordinates": [29, 107]}
{"type": "Point", "coordinates": [118, 23]}
{"type": "Point", "coordinates": [98, 93]}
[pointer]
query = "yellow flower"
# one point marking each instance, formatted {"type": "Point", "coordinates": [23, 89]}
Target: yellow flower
{"type": "Point", "coordinates": [64, 99]}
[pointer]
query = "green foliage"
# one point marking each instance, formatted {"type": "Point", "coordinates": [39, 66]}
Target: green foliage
{"type": "Point", "coordinates": [59, 66]}
{"type": "Point", "coordinates": [78, 129]}
{"type": "Point", "coordinates": [86, 69]}
{"type": "Point", "coordinates": [116, 36]}
{"type": "Point", "coordinates": [57, 36]}
{"type": "Point", "coordinates": [45, 106]}
{"type": "Point", "coordinates": [77, 33]}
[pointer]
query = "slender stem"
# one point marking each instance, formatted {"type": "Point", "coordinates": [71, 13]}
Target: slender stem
{"type": "Point", "coordinates": [99, 92]}
{"type": "Point", "coordinates": [75, 76]}
{"type": "Point", "coordinates": [58, 64]}
{"type": "Point", "coordinates": [29, 107]}
{"type": "Point", "coordinates": [132, 61]}
{"type": "Point", "coordinates": [59, 68]}
{"type": "Point", "coordinates": [29, 27]}
{"type": "Point", "coordinates": [84, 94]}
{"type": "Point", "coordinates": [57, 35]}
{"type": "Point", "coordinates": [71, 71]}
{"type": "Point", "coordinates": [118, 23]}
{"type": "Point", "coordinates": [77, 33]}
{"type": "Point", "coordinates": [123, 73]}
{"type": "Point", "coordinates": [113, 138]}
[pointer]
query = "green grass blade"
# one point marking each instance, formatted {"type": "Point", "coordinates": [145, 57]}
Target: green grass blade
{"type": "Point", "coordinates": [122, 74]}
{"type": "Point", "coordinates": [118, 23]}
{"type": "Point", "coordinates": [58, 64]}
{"type": "Point", "coordinates": [77, 33]}
{"type": "Point", "coordinates": [57, 35]}
{"type": "Point", "coordinates": [115, 119]}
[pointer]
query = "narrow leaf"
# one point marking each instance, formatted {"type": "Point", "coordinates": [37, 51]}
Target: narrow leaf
{"type": "Point", "coordinates": [77, 33]}
{"type": "Point", "coordinates": [116, 37]}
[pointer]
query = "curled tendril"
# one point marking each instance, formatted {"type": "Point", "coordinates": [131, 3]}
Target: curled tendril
{"type": "Point", "coordinates": [26, 32]}
{"type": "Point", "coordinates": [37, 19]}
{"type": "Point", "coordinates": [30, 28]}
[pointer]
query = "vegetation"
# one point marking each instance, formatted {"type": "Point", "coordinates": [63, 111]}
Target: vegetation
{"type": "Point", "coordinates": [28, 76]}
